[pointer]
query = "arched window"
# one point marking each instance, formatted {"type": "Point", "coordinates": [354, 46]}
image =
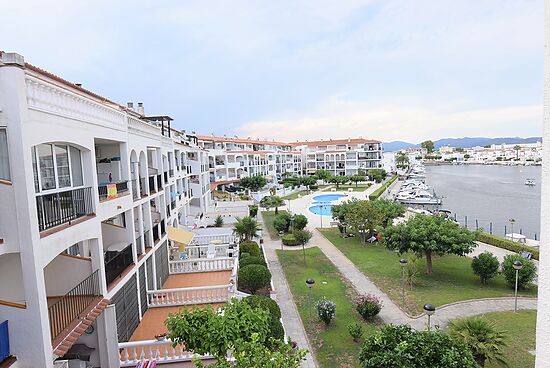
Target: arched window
{"type": "Point", "coordinates": [56, 166]}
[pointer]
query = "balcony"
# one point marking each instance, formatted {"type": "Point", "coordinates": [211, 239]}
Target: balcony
{"type": "Point", "coordinates": [70, 306]}
{"type": "Point", "coordinates": [63, 207]}
{"type": "Point", "coordinates": [135, 193]}
{"type": "Point", "coordinates": [142, 189]}
{"type": "Point", "coordinates": [156, 233]}
{"type": "Point", "coordinates": [117, 262]}
{"type": "Point", "coordinates": [166, 176]}
{"type": "Point", "coordinates": [112, 190]}
{"type": "Point", "coordinates": [151, 183]}
{"type": "Point", "coordinates": [159, 181]}
{"type": "Point", "coordinates": [171, 172]}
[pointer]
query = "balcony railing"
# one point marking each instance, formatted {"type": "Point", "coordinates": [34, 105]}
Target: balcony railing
{"type": "Point", "coordinates": [173, 205]}
{"type": "Point", "coordinates": [166, 176]}
{"type": "Point", "coordinates": [138, 246]}
{"type": "Point", "coordinates": [162, 228]}
{"type": "Point", "coordinates": [58, 208]}
{"type": "Point", "coordinates": [156, 234]}
{"type": "Point", "coordinates": [63, 312]}
{"type": "Point", "coordinates": [171, 172]}
{"type": "Point", "coordinates": [152, 183]}
{"type": "Point", "coordinates": [117, 262]}
{"type": "Point", "coordinates": [112, 190]}
{"type": "Point", "coordinates": [4, 341]}
{"type": "Point", "coordinates": [146, 238]}
{"type": "Point", "coordinates": [159, 181]}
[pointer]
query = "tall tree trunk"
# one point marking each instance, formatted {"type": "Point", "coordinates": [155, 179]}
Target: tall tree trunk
{"type": "Point", "coordinates": [429, 262]}
{"type": "Point", "coordinates": [276, 210]}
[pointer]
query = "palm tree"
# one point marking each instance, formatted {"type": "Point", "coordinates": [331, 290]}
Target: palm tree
{"type": "Point", "coordinates": [517, 148]}
{"type": "Point", "coordinates": [401, 160]}
{"type": "Point", "coordinates": [246, 228]}
{"type": "Point", "coordinates": [483, 338]}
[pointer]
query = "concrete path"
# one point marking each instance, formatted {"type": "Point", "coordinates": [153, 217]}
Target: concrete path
{"type": "Point", "coordinates": [291, 319]}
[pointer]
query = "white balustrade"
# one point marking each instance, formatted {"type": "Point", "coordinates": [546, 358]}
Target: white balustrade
{"type": "Point", "coordinates": [201, 265]}
{"type": "Point", "coordinates": [201, 251]}
{"type": "Point", "coordinates": [206, 239]}
{"type": "Point", "coordinates": [134, 352]}
{"type": "Point", "coordinates": [188, 296]}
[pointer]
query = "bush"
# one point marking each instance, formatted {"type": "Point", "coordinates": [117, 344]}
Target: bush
{"type": "Point", "coordinates": [378, 192]}
{"type": "Point", "coordinates": [506, 244]}
{"type": "Point", "coordinates": [290, 240]}
{"type": "Point", "coordinates": [281, 224]}
{"type": "Point", "coordinates": [314, 187]}
{"type": "Point", "coordinates": [253, 277]}
{"type": "Point", "coordinates": [245, 261]}
{"type": "Point", "coordinates": [250, 247]}
{"type": "Point", "coordinates": [326, 310]}
{"type": "Point", "coordinates": [299, 222]}
{"type": "Point", "coordinates": [253, 210]}
{"type": "Point", "coordinates": [218, 222]}
{"type": "Point", "coordinates": [355, 331]}
{"type": "Point", "coordinates": [276, 329]}
{"type": "Point", "coordinates": [368, 306]}
{"type": "Point", "coordinates": [526, 275]}
{"type": "Point", "coordinates": [485, 266]}
{"type": "Point", "coordinates": [302, 236]}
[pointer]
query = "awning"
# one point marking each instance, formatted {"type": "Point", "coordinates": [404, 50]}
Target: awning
{"type": "Point", "coordinates": [181, 237]}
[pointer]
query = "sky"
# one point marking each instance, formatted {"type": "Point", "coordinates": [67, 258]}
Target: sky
{"type": "Point", "coordinates": [294, 70]}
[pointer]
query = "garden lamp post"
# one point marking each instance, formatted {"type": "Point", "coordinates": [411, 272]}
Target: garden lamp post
{"type": "Point", "coordinates": [430, 310]}
{"type": "Point", "coordinates": [281, 233]}
{"type": "Point", "coordinates": [321, 214]}
{"type": "Point", "coordinates": [517, 266]}
{"type": "Point", "coordinates": [309, 283]}
{"type": "Point", "coordinates": [403, 263]}
{"type": "Point", "coordinates": [512, 221]}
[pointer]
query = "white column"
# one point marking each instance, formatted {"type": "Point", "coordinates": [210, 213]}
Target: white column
{"type": "Point", "coordinates": [543, 315]}
{"type": "Point", "coordinates": [136, 175]}
{"type": "Point", "coordinates": [140, 229]}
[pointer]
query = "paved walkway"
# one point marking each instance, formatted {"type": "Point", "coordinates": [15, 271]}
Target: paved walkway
{"type": "Point", "coordinates": [291, 319]}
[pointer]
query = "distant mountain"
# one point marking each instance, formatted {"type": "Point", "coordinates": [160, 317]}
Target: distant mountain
{"type": "Point", "coordinates": [465, 142]}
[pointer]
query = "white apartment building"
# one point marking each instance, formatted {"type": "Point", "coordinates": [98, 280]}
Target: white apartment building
{"type": "Point", "coordinates": [88, 191]}
{"type": "Point", "coordinates": [230, 159]}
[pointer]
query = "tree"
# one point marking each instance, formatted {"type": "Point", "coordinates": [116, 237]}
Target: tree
{"type": "Point", "coordinates": [205, 331]}
{"type": "Point", "coordinates": [338, 180]}
{"type": "Point", "coordinates": [218, 222]}
{"type": "Point", "coordinates": [485, 266]}
{"type": "Point", "coordinates": [363, 218]}
{"type": "Point", "coordinates": [302, 237]}
{"type": "Point", "coordinates": [401, 160]}
{"type": "Point", "coordinates": [254, 183]}
{"type": "Point", "coordinates": [428, 146]}
{"type": "Point", "coordinates": [254, 354]}
{"type": "Point", "coordinates": [401, 346]}
{"type": "Point", "coordinates": [356, 179]}
{"type": "Point", "coordinates": [307, 181]}
{"type": "Point", "coordinates": [390, 209]}
{"type": "Point", "coordinates": [429, 235]}
{"type": "Point", "coordinates": [378, 175]}
{"type": "Point", "coordinates": [482, 337]}
{"type": "Point", "coordinates": [322, 174]}
{"type": "Point", "coordinates": [281, 224]}
{"type": "Point", "coordinates": [276, 330]}
{"type": "Point", "coordinates": [299, 222]}
{"type": "Point", "coordinates": [246, 228]}
{"type": "Point", "coordinates": [272, 201]}
{"type": "Point", "coordinates": [253, 277]}
{"type": "Point", "coordinates": [526, 275]}
{"type": "Point", "coordinates": [517, 148]}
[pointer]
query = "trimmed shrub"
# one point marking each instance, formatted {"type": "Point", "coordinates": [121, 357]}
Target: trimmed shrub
{"type": "Point", "coordinates": [299, 222]}
{"type": "Point", "coordinates": [253, 210]}
{"type": "Point", "coordinates": [290, 240]}
{"type": "Point", "coordinates": [244, 255]}
{"type": "Point", "coordinates": [326, 310]}
{"type": "Point", "coordinates": [506, 244]}
{"type": "Point", "coordinates": [525, 276]}
{"type": "Point", "coordinates": [378, 192]}
{"type": "Point", "coordinates": [281, 224]}
{"type": "Point", "coordinates": [485, 266]}
{"type": "Point", "coordinates": [302, 236]}
{"type": "Point", "coordinates": [250, 247]}
{"type": "Point", "coordinates": [355, 331]}
{"type": "Point", "coordinates": [253, 277]}
{"type": "Point", "coordinates": [368, 306]}
{"type": "Point", "coordinates": [245, 261]}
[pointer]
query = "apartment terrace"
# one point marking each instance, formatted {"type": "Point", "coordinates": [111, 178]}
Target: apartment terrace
{"type": "Point", "coordinates": [202, 272]}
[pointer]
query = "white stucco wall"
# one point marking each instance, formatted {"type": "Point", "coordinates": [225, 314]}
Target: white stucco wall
{"type": "Point", "coordinates": [64, 273]}
{"type": "Point", "coordinates": [543, 315]}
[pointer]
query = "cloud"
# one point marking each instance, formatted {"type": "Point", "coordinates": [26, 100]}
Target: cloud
{"type": "Point", "coordinates": [338, 118]}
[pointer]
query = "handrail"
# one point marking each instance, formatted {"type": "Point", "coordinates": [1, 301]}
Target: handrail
{"type": "Point", "coordinates": [188, 296]}
{"type": "Point", "coordinates": [201, 265]}
{"type": "Point", "coordinates": [72, 304]}
{"type": "Point", "coordinates": [13, 304]}
{"type": "Point", "coordinates": [61, 207]}
{"type": "Point", "coordinates": [133, 352]}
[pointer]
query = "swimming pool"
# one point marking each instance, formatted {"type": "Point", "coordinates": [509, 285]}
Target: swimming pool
{"type": "Point", "coordinates": [328, 197]}
{"type": "Point", "coordinates": [322, 205]}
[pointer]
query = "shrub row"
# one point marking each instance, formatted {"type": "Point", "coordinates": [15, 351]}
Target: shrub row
{"type": "Point", "coordinates": [290, 240]}
{"type": "Point", "coordinates": [378, 192]}
{"type": "Point", "coordinates": [506, 244]}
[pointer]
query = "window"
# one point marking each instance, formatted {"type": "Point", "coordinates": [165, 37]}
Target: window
{"type": "Point", "coordinates": [4, 160]}
{"type": "Point", "coordinates": [56, 166]}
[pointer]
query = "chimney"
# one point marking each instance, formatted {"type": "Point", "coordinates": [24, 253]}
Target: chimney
{"type": "Point", "coordinates": [78, 84]}
{"type": "Point", "coordinates": [130, 106]}
{"type": "Point", "coordinates": [11, 58]}
{"type": "Point", "coordinates": [140, 109]}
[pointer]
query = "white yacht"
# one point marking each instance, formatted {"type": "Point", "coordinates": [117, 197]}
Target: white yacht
{"type": "Point", "coordinates": [530, 182]}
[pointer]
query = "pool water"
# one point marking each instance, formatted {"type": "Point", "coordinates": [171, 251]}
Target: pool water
{"type": "Point", "coordinates": [321, 205]}
{"type": "Point", "coordinates": [328, 197]}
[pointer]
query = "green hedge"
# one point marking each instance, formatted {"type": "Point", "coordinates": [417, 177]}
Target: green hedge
{"type": "Point", "coordinates": [506, 244]}
{"type": "Point", "coordinates": [289, 240]}
{"type": "Point", "coordinates": [378, 192]}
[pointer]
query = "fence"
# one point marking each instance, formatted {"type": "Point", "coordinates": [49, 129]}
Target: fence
{"type": "Point", "coordinates": [134, 352]}
{"type": "Point", "coordinates": [201, 251]}
{"type": "Point", "coordinates": [201, 265]}
{"type": "Point", "coordinates": [188, 296]}
{"type": "Point", "coordinates": [117, 263]}
{"type": "Point", "coordinates": [207, 239]}
{"type": "Point", "coordinates": [495, 228]}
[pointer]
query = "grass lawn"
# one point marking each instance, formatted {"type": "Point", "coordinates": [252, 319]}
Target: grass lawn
{"type": "Point", "coordinates": [344, 188]}
{"type": "Point", "coordinates": [295, 195]}
{"type": "Point", "coordinates": [451, 281]}
{"type": "Point", "coordinates": [521, 337]}
{"type": "Point", "coordinates": [269, 217]}
{"type": "Point", "coordinates": [333, 345]}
